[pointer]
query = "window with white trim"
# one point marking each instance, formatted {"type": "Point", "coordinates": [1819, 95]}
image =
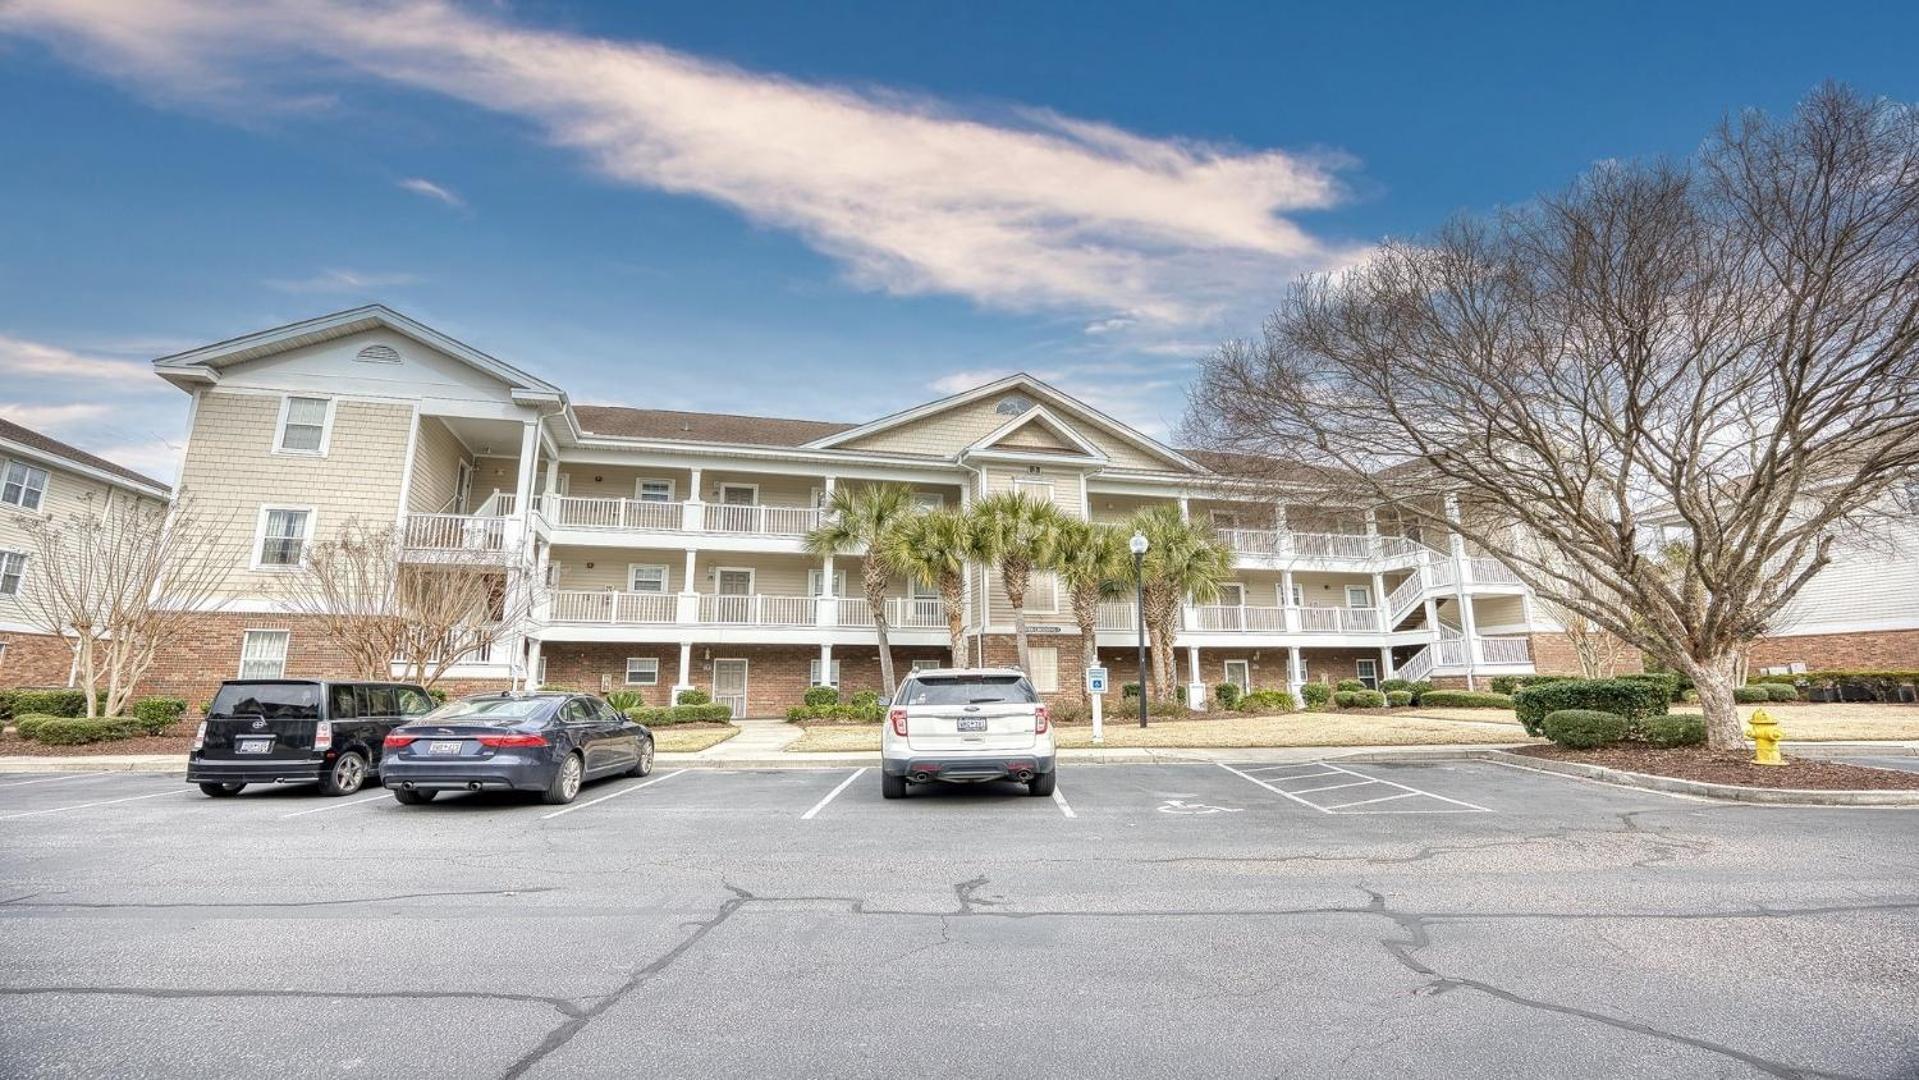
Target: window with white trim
{"type": "Point", "coordinates": [25, 486]}
{"type": "Point", "coordinates": [929, 500]}
{"type": "Point", "coordinates": [813, 673]}
{"type": "Point", "coordinates": [817, 576]}
{"type": "Point", "coordinates": [303, 423]}
{"type": "Point", "coordinates": [263, 654]}
{"type": "Point", "coordinates": [1239, 673]}
{"type": "Point", "coordinates": [921, 589]}
{"type": "Point", "coordinates": [1044, 661]}
{"type": "Point", "coordinates": [542, 676]}
{"type": "Point", "coordinates": [283, 536]}
{"type": "Point", "coordinates": [641, 670]}
{"type": "Point", "coordinates": [653, 490]}
{"type": "Point", "coordinates": [1036, 489]}
{"type": "Point", "coordinates": [647, 579]}
{"type": "Point", "coordinates": [1367, 672]}
{"type": "Point", "coordinates": [1359, 596]}
{"type": "Point", "coordinates": [13, 570]}
{"type": "Point", "coordinates": [1042, 593]}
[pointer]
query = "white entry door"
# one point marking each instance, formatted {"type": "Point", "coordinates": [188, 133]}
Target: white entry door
{"type": "Point", "coordinates": [729, 685]}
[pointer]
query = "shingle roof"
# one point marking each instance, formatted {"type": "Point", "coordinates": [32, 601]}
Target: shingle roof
{"type": "Point", "coordinates": [28, 437]}
{"type": "Point", "coordinates": [621, 422]}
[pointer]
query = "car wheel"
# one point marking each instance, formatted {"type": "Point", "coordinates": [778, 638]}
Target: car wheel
{"type": "Point", "coordinates": [220, 791]}
{"type": "Point", "coordinates": [410, 797]}
{"type": "Point", "coordinates": [892, 787]}
{"type": "Point", "coordinates": [346, 776]}
{"type": "Point", "coordinates": [566, 781]}
{"type": "Point", "coordinates": [645, 764]}
{"type": "Point", "coordinates": [1042, 784]}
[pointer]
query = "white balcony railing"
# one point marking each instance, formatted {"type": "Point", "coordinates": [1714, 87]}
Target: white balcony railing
{"type": "Point", "coordinates": [1338, 620]}
{"type": "Point", "coordinates": [588, 512]}
{"type": "Point", "coordinates": [761, 520]}
{"type": "Point", "coordinates": [1505, 650]}
{"type": "Point", "coordinates": [1255, 541]}
{"type": "Point", "coordinates": [1405, 596]}
{"type": "Point", "coordinates": [455, 532]}
{"type": "Point", "coordinates": [902, 612]}
{"type": "Point", "coordinates": [759, 610]}
{"type": "Point", "coordinates": [1492, 572]}
{"type": "Point", "coordinates": [1118, 615]}
{"type": "Point", "coordinates": [616, 608]}
{"type": "Point", "coordinates": [1333, 545]}
{"type": "Point", "coordinates": [1239, 617]}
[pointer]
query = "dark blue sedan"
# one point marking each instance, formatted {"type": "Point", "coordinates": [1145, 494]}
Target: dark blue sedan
{"type": "Point", "coordinates": [545, 742]}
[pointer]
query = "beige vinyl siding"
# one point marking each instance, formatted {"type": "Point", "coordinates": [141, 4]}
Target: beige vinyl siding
{"type": "Point", "coordinates": [436, 468]}
{"type": "Point", "coordinates": [774, 490]}
{"type": "Point", "coordinates": [1036, 436]}
{"type": "Point", "coordinates": [68, 495]}
{"type": "Point", "coordinates": [492, 474]}
{"type": "Point", "coordinates": [231, 472]}
{"type": "Point", "coordinates": [1505, 614]}
{"type": "Point", "coordinates": [1873, 580]}
{"type": "Point", "coordinates": [609, 568]}
{"type": "Point", "coordinates": [617, 481]}
{"type": "Point", "coordinates": [1066, 491]}
{"type": "Point", "coordinates": [951, 430]}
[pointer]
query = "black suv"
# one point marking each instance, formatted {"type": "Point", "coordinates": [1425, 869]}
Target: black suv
{"type": "Point", "coordinates": [277, 731]}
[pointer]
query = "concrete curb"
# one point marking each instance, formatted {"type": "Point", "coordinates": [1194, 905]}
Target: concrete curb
{"type": "Point", "coordinates": [1724, 792]}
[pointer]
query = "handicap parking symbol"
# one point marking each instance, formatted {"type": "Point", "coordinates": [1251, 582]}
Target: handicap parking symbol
{"type": "Point", "coordinates": [1175, 806]}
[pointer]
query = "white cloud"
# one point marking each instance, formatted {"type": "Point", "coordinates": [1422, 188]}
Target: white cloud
{"type": "Point", "coordinates": [20, 357]}
{"type": "Point", "coordinates": [45, 416]}
{"type": "Point", "coordinates": [110, 406]}
{"type": "Point", "coordinates": [421, 186]}
{"type": "Point", "coordinates": [340, 281]}
{"type": "Point", "coordinates": [1025, 211]}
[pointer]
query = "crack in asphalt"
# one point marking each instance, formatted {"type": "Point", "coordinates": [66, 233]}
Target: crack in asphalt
{"type": "Point", "coordinates": [341, 902]}
{"type": "Point", "coordinates": [568, 1006]}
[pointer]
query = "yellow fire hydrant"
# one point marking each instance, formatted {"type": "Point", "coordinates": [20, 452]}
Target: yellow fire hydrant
{"type": "Point", "coordinates": [1764, 732]}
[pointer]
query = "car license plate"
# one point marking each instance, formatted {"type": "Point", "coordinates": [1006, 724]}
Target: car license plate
{"type": "Point", "coordinates": [443, 748]}
{"type": "Point", "coordinates": [972, 723]}
{"type": "Point", "coordinates": [254, 746]}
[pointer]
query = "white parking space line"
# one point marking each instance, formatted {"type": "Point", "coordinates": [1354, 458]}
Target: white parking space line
{"type": "Point", "coordinates": [1330, 787]}
{"type": "Point", "coordinates": [1271, 788]}
{"type": "Point", "coordinates": [1414, 790]}
{"type": "Point", "coordinates": [831, 795]}
{"type": "Point", "coordinates": [615, 795]}
{"type": "Point", "coordinates": [86, 805]}
{"type": "Point", "coordinates": [1369, 802]}
{"type": "Point", "coordinates": [1059, 799]}
{"type": "Point", "coordinates": [339, 805]}
{"type": "Point", "coordinates": [57, 779]}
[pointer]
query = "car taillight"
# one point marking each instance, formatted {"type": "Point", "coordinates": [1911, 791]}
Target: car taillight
{"type": "Point", "coordinates": [897, 717]}
{"type": "Point", "coordinates": [1041, 720]}
{"type": "Point", "coordinates": [512, 740]}
{"type": "Point", "coordinates": [394, 742]}
{"type": "Point", "coordinates": [200, 737]}
{"type": "Point", "coordinates": [323, 735]}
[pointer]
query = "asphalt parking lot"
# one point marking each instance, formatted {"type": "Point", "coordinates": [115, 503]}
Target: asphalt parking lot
{"type": "Point", "coordinates": [1434, 920]}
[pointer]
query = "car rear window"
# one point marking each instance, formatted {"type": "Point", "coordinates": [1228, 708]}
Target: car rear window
{"type": "Point", "coordinates": [968, 690]}
{"type": "Point", "coordinates": [489, 710]}
{"type": "Point", "coordinates": [275, 701]}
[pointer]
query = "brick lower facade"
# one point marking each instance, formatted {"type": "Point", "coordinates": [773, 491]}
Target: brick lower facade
{"type": "Point", "coordinates": [39, 660]}
{"type": "Point", "coordinates": [1553, 655]}
{"type": "Point", "coordinates": [1895, 650]}
{"type": "Point", "coordinates": [777, 676]}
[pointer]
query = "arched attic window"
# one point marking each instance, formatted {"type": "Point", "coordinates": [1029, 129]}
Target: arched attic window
{"type": "Point", "coordinates": [379, 354]}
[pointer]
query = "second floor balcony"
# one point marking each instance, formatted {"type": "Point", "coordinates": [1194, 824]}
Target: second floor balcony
{"type": "Point", "coordinates": [619, 608]}
{"type": "Point", "coordinates": [613, 514]}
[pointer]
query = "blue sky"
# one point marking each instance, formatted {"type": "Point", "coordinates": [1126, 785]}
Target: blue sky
{"type": "Point", "coordinates": [719, 206]}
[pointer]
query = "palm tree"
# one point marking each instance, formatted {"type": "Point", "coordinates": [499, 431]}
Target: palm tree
{"type": "Point", "coordinates": [1015, 532]}
{"type": "Point", "coordinates": [1183, 559]}
{"type": "Point", "coordinates": [1092, 563]}
{"type": "Point", "coordinates": [865, 519]}
{"type": "Point", "coordinates": [935, 547]}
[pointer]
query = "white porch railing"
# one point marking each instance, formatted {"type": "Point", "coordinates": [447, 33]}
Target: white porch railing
{"type": "Point", "coordinates": [455, 532]}
{"type": "Point", "coordinates": [1492, 572]}
{"type": "Point", "coordinates": [1450, 652]}
{"type": "Point", "coordinates": [759, 609]}
{"type": "Point", "coordinates": [1405, 596]}
{"type": "Point", "coordinates": [761, 520]}
{"type": "Point", "coordinates": [588, 512]}
{"type": "Point", "coordinates": [902, 612]}
{"type": "Point", "coordinates": [1333, 545]}
{"type": "Point", "coordinates": [1239, 617]}
{"type": "Point", "coordinates": [1338, 620]}
{"type": "Point", "coordinates": [1118, 615]}
{"type": "Point", "coordinates": [1417, 666]}
{"type": "Point", "coordinates": [1505, 650]}
{"type": "Point", "coordinates": [1255, 541]}
{"type": "Point", "coordinates": [617, 608]}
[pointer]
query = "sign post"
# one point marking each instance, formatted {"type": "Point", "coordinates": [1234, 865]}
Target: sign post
{"type": "Point", "coordinates": [1095, 689]}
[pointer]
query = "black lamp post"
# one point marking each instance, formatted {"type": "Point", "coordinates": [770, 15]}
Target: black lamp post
{"type": "Point", "coordinates": [1138, 545]}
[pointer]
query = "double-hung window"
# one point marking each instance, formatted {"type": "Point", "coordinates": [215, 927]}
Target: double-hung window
{"type": "Point", "coordinates": [653, 490]}
{"type": "Point", "coordinates": [263, 654]}
{"type": "Point", "coordinates": [813, 674]}
{"type": "Point", "coordinates": [24, 486]}
{"type": "Point", "coordinates": [1045, 664]}
{"type": "Point", "coordinates": [303, 426]}
{"type": "Point", "coordinates": [646, 579]}
{"type": "Point", "coordinates": [283, 536]}
{"type": "Point", "coordinates": [642, 670]}
{"type": "Point", "coordinates": [13, 569]}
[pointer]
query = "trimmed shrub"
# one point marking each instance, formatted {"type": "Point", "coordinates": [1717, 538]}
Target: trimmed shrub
{"type": "Point", "coordinates": [841, 712]}
{"type": "Point", "coordinates": [625, 699]}
{"type": "Point", "coordinates": [75, 730]}
{"type": "Point", "coordinates": [1420, 689]}
{"type": "Point", "coordinates": [1584, 729]}
{"type": "Point", "coordinates": [156, 714]}
{"type": "Point", "coordinates": [1465, 699]}
{"type": "Point", "coordinates": [1259, 702]}
{"type": "Point", "coordinates": [1131, 690]}
{"type": "Point", "coordinates": [1227, 694]}
{"type": "Point", "coordinates": [1670, 680]}
{"type": "Point", "coordinates": [26, 724]}
{"type": "Point", "coordinates": [1781, 691]}
{"type": "Point", "coordinates": [1750, 695]}
{"type": "Point", "coordinates": [1360, 699]}
{"type": "Point", "coordinates": [1633, 699]}
{"type": "Point", "coordinates": [1397, 698]}
{"type": "Point", "coordinates": [60, 702]}
{"type": "Point", "coordinates": [1317, 694]}
{"type": "Point", "coordinates": [816, 696]}
{"type": "Point", "coordinates": [693, 696]}
{"type": "Point", "coordinates": [864, 699]}
{"type": "Point", "coordinates": [1670, 731]}
{"type": "Point", "coordinates": [667, 716]}
{"type": "Point", "coordinates": [1507, 684]}
{"type": "Point", "coordinates": [1391, 685]}
{"type": "Point", "coordinates": [1349, 685]}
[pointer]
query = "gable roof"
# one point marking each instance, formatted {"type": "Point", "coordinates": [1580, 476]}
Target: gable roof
{"type": "Point", "coordinates": [1022, 381]}
{"type": "Point", "coordinates": [11, 432]}
{"type": "Point", "coordinates": [204, 363]}
{"type": "Point", "coordinates": [623, 423]}
{"type": "Point", "coordinates": [996, 441]}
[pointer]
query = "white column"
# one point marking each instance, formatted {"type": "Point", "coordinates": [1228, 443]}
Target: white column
{"type": "Point", "coordinates": [1185, 509]}
{"type": "Point", "coordinates": [529, 450]}
{"type": "Point", "coordinates": [532, 675]}
{"type": "Point", "coordinates": [1386, 669]}
{"type": "Point", "coordinates": [1470, 626]}
{"type": "Point", "coordinates": [1294, 676]}
{"type": "Point", "coordinates": [686, 669]}
{"type": "Point", "coordinates": [826, 663]}
{"type": "Point", "coordinates": [1372, 531]}
{"type": "Point", "coordinates": [552, 484]}
{"type": "Point", "coordinates": [689, 592]}
{"type": "Point", "coordinates": [695, 513]}
{"type": "Point", "coordinates": [1196, 686]}
{"type": "Point", "coordinates": [1379, 600]}
{"type": "Point", "coordinates": [1286, 600]}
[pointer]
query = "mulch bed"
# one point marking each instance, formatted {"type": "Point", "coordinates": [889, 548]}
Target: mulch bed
{"type": "Point", "coordinates": [1729, 767]}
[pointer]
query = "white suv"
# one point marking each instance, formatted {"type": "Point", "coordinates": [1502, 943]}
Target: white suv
{"type": "Point", "coordinates": [966, 725]}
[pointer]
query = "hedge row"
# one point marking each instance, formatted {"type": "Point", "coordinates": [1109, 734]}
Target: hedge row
{"type": "Point", "coordinates": [668, 715]}
{"type": "Point", "coordinates": [1633, 699]}
{"type": "Point", "coordinates": [59, 702]}
{"type": "Point", "coordinates": [848, 713]}
{"type": "Point", "coordinates": [1361, 698]}
{"type": "Point", "coordinates": [1587, 729]}
{"type": "Point", "coordinates": [1465, 699]}
{"type": "Point", "coordinates": [150, 716]}
{"type": "Point", "coordinates": [1506, 684]}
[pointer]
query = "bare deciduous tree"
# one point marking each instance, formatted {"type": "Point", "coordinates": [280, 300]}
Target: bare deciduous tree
{"type": "Point", "coordinates": [380, 607]}
{"type": "Point", "coordinates": [1728, 345]}
{"type": "Point", "coordinates": [116, 581]}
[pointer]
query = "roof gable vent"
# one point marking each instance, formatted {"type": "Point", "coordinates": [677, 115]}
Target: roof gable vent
{"type": "Point", "coordinates": [1013, 405]}
{"type": "Point", "coordinates": [379, 354]}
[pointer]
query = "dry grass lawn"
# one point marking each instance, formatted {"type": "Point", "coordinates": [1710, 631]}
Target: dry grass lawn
{"type": "Point", "coordinates": [1803, 722]}
{"type": "Point", "coordinates": [669, 740]}
{"type": "Point", "coordinates": [1292, 729]}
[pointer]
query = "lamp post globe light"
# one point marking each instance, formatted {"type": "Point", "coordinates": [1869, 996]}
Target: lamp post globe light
{"type": "Point", "coordinates": [1138, 545]}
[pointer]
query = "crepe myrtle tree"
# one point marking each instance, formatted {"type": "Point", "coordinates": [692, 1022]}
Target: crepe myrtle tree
{"type": "Point", "coordinates": [1720, 352]}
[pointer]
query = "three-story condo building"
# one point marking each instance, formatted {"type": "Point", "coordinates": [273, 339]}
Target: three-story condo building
{"type": "Point", "coordinates": [670, 544]}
